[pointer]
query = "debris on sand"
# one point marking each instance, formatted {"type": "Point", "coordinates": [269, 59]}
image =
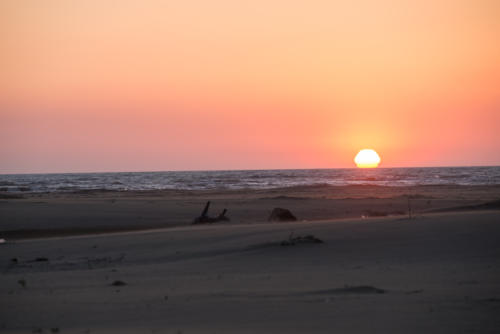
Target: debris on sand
{"type": "Point", "coordinates": [281, 215]}
{"type": "Point", "coordinates": [118, 283]}
{"type": "Point", "coordinates": [374, 213]}
{"type": "Point", "coordinates": [307, 239]}
{"type": "Point", "coordinates": [492, 300]}
{"type": "Point", "coordinates": [412, 292]}
{"type": "Point", "coordinates": [204, 218]}
{"type": "Point", "coordinates": [361, 289]}
{"type": "Point", "coordinates": [22, 282]}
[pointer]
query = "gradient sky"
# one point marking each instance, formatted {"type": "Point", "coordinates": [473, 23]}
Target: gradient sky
{"type": "Point", "coordinates": [223, 84]}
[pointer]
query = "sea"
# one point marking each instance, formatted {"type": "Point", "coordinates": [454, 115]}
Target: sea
{"type": "Point", "coordinates": [247, 179]}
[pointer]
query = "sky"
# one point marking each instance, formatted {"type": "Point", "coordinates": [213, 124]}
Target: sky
{"type": "Point", "coordinates": [101, 85]}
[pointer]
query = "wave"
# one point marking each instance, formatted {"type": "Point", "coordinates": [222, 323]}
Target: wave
{"type": "Point", "coordinates": [300, 180]}
{"type": "Point", "coordinates": [7, 183]}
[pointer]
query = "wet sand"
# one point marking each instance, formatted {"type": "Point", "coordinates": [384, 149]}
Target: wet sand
{"type": "Point", "coordinates": [88, 212]}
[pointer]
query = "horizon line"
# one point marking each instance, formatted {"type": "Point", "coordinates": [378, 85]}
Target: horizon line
{"type": "Point", "coordinates": [239, 170]}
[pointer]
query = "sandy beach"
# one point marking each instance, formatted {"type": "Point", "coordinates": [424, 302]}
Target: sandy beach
{"type": "Point", "coordinates": [149, 270]}
{"type": "Point", "coordinates": [56, 214]}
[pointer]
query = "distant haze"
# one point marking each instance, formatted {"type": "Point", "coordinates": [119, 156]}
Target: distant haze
{"type": "Point", "coordinates": [197, 85]}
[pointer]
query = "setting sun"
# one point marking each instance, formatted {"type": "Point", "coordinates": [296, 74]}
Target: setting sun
{"type": "Point", "coordinates": [367, 158]}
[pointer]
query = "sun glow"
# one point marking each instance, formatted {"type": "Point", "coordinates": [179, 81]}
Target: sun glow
{"type": "Point", "coordinates": [367, 158]}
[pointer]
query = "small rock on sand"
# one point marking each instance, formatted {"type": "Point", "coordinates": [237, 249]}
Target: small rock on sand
{"type": "Point", "coordinates": [118, 283]}
{"type": "Point", "coordinates": [281, 215]}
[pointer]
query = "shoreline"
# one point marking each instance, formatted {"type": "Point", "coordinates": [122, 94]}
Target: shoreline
{"type": "Point", "coordinates": [311, 191]}
{"type": "Point", "coordinates": [62, 214]}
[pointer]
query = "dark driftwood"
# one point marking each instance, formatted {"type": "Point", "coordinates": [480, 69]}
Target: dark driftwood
{"type": "Point", "coordinates": [204, 218]}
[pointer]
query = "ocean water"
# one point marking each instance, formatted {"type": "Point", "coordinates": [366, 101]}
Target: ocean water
{"type": "Point", "coordinates": [248, 179]}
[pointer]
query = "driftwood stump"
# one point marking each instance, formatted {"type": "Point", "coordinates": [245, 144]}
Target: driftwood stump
{"type": "Point", "coordinates": [204, 218]}
{"type": "Point", "coordinates": [281, 215]}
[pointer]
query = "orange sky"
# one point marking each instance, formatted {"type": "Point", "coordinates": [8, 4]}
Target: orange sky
{"type": "Point", "coordinates": [223, 84]}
